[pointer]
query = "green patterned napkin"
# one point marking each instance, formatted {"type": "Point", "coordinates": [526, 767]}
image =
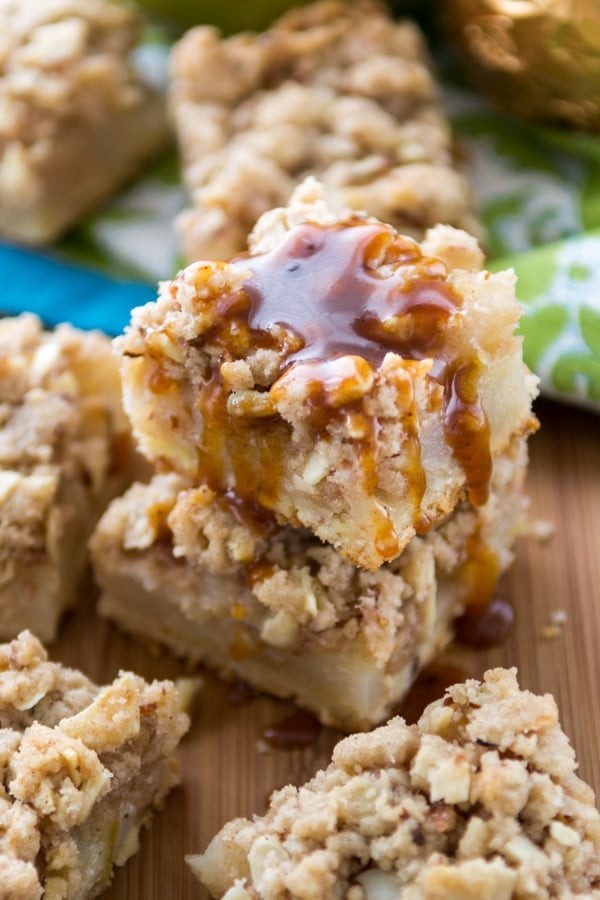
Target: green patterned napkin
{"type": "Point", "coordinates": [539, 193]}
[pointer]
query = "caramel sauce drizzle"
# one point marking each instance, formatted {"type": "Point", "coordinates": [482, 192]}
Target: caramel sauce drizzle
{"type": "Point", "coordinates": [489, 627]}
{"type": "Point", "coordinates": [237, 440]}
{"type": "Point", "coordinates": [300, 729]}
{"type": "Point", "coordinates": [324, 284]}
{"type": "Point", "coordinates": [478, 575]}
{"type": "Point", "coordinates": [355, 291]}
{"type": "Point", "coordinates": [488, 620]}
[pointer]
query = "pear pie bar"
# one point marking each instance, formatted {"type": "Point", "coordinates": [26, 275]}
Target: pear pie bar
{"type": "Point", "coordinates": [338, 422]}
{"type": "Point", "coordinates": [478, 801]}
{"type": "Point", "coordinates": [218, 583]}
{"type": "Point", "coordinates": [65, 451]}
{"type": "Point", "coordinates": [75, 117]}
{"type": "Point", "coordinates": [81, 767]}
{"type": "Point", "coordinates": [343, 377]}
{"type": "Point", "coordinates": [338, 90]}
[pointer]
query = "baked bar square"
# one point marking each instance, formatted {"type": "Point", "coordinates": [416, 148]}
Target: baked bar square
{"type": "Point", "coordinates": [82, 769]}
{"type": "Point", "coordinates": [182, 566]}
{"type": "Point", "coordinates": [478, 800]}
{"type": "Point", "coordinates": [337, 90]}
{"type": "Point", "coordinates": [346, 378]}
{"type": "Point", "coordinates": [76, 119]}
{"type": "Point", "coordinates": [65, 451]}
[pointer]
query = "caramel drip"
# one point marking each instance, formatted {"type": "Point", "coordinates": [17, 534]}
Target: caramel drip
{"type": "Point", "coordinates": [121, 450]}
{"type": "Point", "coordinates": [490, 627]}
{"type": "Point", "coordinates": [414, 472]}
{"type": "Point", "coordinates": [488, 620]}
{"type": "Point", "coordinates": [298, 730]}
{"type": "Point", "coordinates": [478, 575]}
{"type": "Point", "coordinates": [234, 446]}
{"type": "Point", "coordinates": [241, 647]}
{"type": "Point", "coordinates": [212, 406]}
{"type": "Point", "coordinates": [258, 572]}
{"type": "Point", "coordinates": [159, 382]}
{"type": "Point", "coordinates": [247, 511]}
{"type": "Point", "coordinates": [240, 693]}
{"type": "Point", "coordinates": [467, 429]}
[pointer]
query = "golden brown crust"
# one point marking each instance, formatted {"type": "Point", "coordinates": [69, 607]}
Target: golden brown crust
{"type": "Point", "coordinates": [479, 799]}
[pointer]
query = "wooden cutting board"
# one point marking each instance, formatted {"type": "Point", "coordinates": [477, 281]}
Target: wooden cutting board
{"type": "Point", "coordinates": [226, 771]}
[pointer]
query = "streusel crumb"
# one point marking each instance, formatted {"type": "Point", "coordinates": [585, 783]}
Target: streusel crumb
{"type": "Point", "coordinates": [478, 800]}
{"type": "Point", "coordinates": [81, 770]}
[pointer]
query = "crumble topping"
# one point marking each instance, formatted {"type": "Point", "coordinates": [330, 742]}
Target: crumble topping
{"type": "Point", "coordinates": [332, 89]}
{"type": "Point", "coordinates": [57, 776]}
{"type": "Point", "coordinates": [66, 58]}
{"type": "Point", "coordinates": [479, 799]}
{"type": "Point", "coordinates": [59, 401]}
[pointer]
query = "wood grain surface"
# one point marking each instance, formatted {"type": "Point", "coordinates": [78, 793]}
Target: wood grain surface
{"type": "Point", "coordinates": [226, 773]}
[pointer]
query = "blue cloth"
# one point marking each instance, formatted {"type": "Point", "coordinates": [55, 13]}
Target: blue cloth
{"type": "Point", "coordinates": [61, 291]}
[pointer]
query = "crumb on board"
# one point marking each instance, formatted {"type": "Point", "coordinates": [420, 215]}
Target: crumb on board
{"type": "Point", "coordinates": [543, 530]}
{"type": "Point", "coordinates": [554, 625]}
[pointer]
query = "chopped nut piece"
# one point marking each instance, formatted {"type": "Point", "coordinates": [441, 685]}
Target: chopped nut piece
{"type": "Point", "coordinates": [543, 530]}
{"type": "Point", "coordinates": [553, 628]}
